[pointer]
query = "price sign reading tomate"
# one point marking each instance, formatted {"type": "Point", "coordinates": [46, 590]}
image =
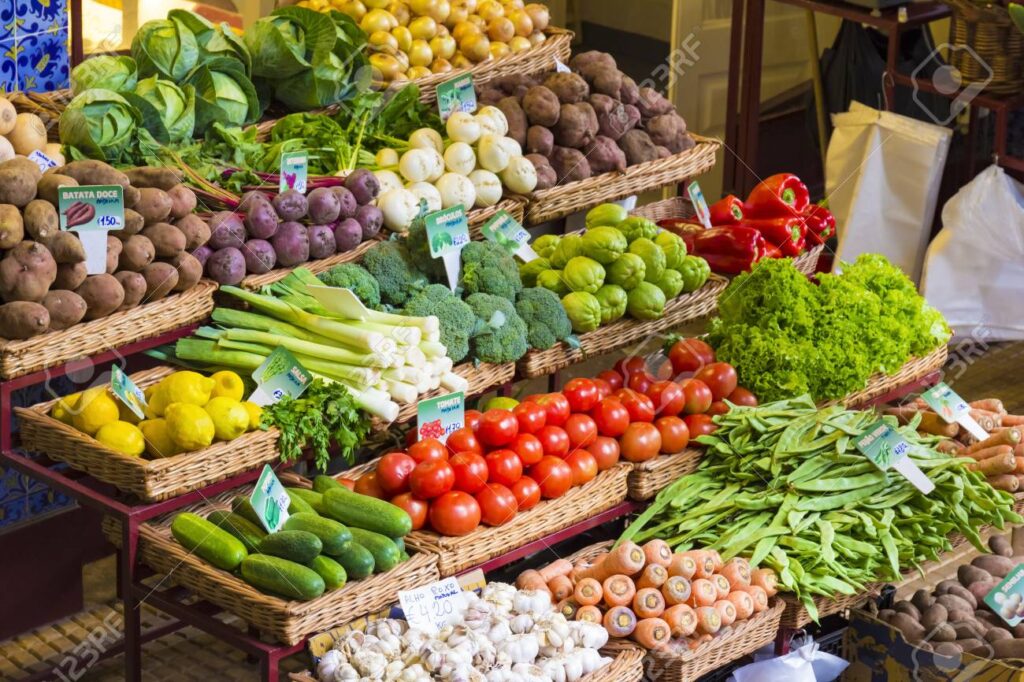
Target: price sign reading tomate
{"type": "Point", "coordinates": [438, 417]}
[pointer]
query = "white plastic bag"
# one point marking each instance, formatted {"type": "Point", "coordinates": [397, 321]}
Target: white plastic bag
{"type": "Point", "coordinates": [974, 271]}
{"type": "Point", "coordinates": [808, 663]}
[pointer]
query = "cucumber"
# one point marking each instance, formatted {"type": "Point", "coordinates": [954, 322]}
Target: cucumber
{"type": "Point", "coordinates": [295, 545]}
{"type": "Point", "coordinates": [249, 533]}
{"type": "Point", "coordinates": [385, 552]}
{"type": "Point", "coordinates": [312, 498]}
{"type": "Point", "coordinates": [356, 559]}
{"type": "Point", "coordinates": [400, 543]}
{"type": "Point", "coordinates": [368, 513]}
{"type": "Point", "coordinates": [207, 541]}
{"type": "Point", "coordinates": [298, 505]}
{"type": "Point", "coordinates": [243, 507]}
{"type": "Point", "coordinates": [332, 534]}
{"type": "Point", "coordinates": [280, 576]}
{"type": "Point", "coordinates": [330, 570]}
{"type": "Point", "coordinates": [322, 484]}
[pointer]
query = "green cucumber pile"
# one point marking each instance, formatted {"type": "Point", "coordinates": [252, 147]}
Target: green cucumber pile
{"type": "Point", "coordinates": [332, 535]}
{"type": "Point", "coordinates": [784, 484]}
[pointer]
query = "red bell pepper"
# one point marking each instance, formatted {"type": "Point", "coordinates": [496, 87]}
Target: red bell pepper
{"type": "Point", "coordinates": [789, 234]}
{"type": "Point", "coordinates": [821, 224]}
{"type": "Point", "coordinates": [780, 195]}
{"type": "Point", "coordinates": [729, 249]}
{"type": "Point", "coordinates": [727, 211]}
{"type": "Point", "coordinates": [772, 251]}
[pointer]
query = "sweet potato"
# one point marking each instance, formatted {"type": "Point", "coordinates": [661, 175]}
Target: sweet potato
{"type": "Point", "coordinates": [103, 294]}
{"type": "Point", "coordinates": [157, 177]}
{"type": "Point", "coordinates": [131, 197]}
{"type": "Point", "coordinates": [629, 93]}
{"type": "Point", "coordinates": [652, 103]}
{"type": "Point", "coordinates": [134, 285]}
{"type": "Point", "coordinates": [133, 224]}
{"type": "Point", "coordinates": [968, 574]}
{"type": "Point", "coordinates": [546, 176]}
{"type": "Point", "coordinates": [12, 226]}
{"type": "Point", "coordinates": [92, 173]}
{"type": "Point", "coordinates": [16, 187]}
{"type": "Point", "coordinates": [663, 152]}
{"type": "Point", "coordinates": [577, 126]}
{"type": "Point", "coordinates": [189, 270]}
{"type": "Point", "coordinates": [569, 88]}
{"type": "Point", "coordinates": [999, 566]}
{"type": "Point", "coordinates": [154, 205]}
{"type": "Point", "coordinates": [114, 248]}
{"type": "Point", "coordinates": [539, 140]}
{"type": "Point", "coordinates": [46, 188]}
{"type": "Point", "coordinates": [638, 147]}
{"type": "Point", "coordinates": [591, 61]}
{"type": "Point", "coordinates": [66, 247]}
{"type": "Point", "coordinates": [490, 95]}
{"type": "Point", "coordinates": [516, 117]}
{"type": "Point", "coordinates": [161, 278]}
{"type": "Point", "coordinates": [137, 253]}
{"type": "Point", "coordinates": [26, 272]}
{"type": "Point", "coordinates": [168, 241]}
{"type": "Point", "coordinates": [66, 308]}
{"type": "Point", "coordinates": [23, 320]}
{"type": "Point", "coordinates": [183, 201]}
{"type": "Point", "coordinates": [569, 165]}
{"type": "Point", "coordinates": [70, 275]}
{"type": "Point", "coordinates": [667, 130]}
{"type": "Point", "coordinates": [605, 156]}
{"type": "Point", "coordinates": [196, 231]}
{"type": "Point", "coordinates": [614, 119]}
{"type": "Point", "coordinates": [514, 84]}
{"type": "Point", "coordinates": [41, 220]}
{"type": "Point", "coordinates": [541, 106]}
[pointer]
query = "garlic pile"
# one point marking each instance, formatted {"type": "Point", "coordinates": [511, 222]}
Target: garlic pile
{"type": "Point", "coordinates": [506, 635]}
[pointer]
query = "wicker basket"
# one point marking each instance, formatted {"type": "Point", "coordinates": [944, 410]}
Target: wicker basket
{"type": "Point", "coordinates": [796, 616]}
{"type": "Point", "coordinates": [46, 105]}
{"type": "Point", "coordinates": [683, 309]}
{"type": "Point", "coordinates": [151, 480]}
{"type": "Point", "coordinates": [881, 384]}
{"type": "Point", "coordinates": [481, 377]}
{"type": "Point", "coordinates": [514, 206]}
{"type": "Point", "coordinates": [988, 47]}
{"type": "Point", "coordinates": [648, 478]}
{"type": "Point", "coordinates": [562, 200]}
{"type": "Point", "coordinates": [97, 336]}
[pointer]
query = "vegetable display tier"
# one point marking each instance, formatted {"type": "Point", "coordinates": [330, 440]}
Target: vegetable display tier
{"type": "Point", "coordinates": [151, 480]}
{"type": "Point", "coordinates": [286, 620]}
{"type": "Point", "coordinates": [880, 384]}
{"type": "Point", "coordinates": [648, 478]}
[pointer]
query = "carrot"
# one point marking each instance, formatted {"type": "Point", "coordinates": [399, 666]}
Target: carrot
{"type": "Point", "coordinates": [990, 404]}
{"type": "Point", "coordinates": [950, 446]}
{"type": "Point", "coordinates": [648, 603]}
{"type": "Point", "coordinates": [588, 592]}
{"type": "Point", "coordinates": [1019, 468]}
{"type": "Point", "coordinates": [743, 602]}
{"type": "Point", "coordinates": [1008, 437]}
{"type": "Point", "coordinates": [1008, 482]}
{"type": "Point", "coordinates": [1020, 481]}
{"type": "Point", "coordinates": [589, 614]}
{"type": "Point", "coordinates": [993, 466]}
{"type": "Point", "coordinates": [984, 419]}
{"type": "Point", "coordinates": [657, 552]}
{"type": "Point", "coordinates": [618, 590]}
{"type": "Point", "coordinates": [904, 413]}
{"type": "Point", "coordinates": [555, 569]}
{"type": "Point", "coordinates": [531, 580]}
{"type": "Point", "coordinates": [1018, 450]}
{"type": "Point", "coordinates": [676, 590]}
{"type": "Point", "coordinates": [716, 559]}
{"type": "Point", "coordinates": [560, 586]}
{"type": "Point", "coordinates": [722, 585]}
{"type": "Point", "coordinates": [652, 633]}
{"type": "Point", "coordinates": [702, 593]}
{"type": "Point", "coordinates": [568, 608]}
{"type": "Point", "coordinates": [619, 621]}
{"type": "Point", "coordinates": [708, 620]}
{"type": "Point", "coordinates": [737, 572]}
{"type": "Point", "coordinates": [759, 596]}
{"type": "Point", "coordinates": [1013, 419]}
{"type": "Point", "coordinates": [682, 565]}
{"type": "Point", "coordinates": [937, 426]}
{"type": "Point", "coordinates": [626, 559]}
{"type": "Point", "coordinates": [766, 579]}
{"type": "Point", "coordinates": [699, 641]}
{"type": "Point", "coordinates": [681, 619]}
{"type": "Point", "coordinates": [654, 575]}
{"type": "Point", "coordinates": [985, 453]}
{"type": "Point", "coordinates": [726, 611]}
{"type": "Point", "coordinates": [704, 562]}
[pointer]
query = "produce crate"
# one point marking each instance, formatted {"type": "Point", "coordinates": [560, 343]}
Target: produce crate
{"type": "Point", "coordinates": [562, 200]}
{"type": "Point", "coordinates": [151, 480]}
{"type": "Point", "coordinates": [287, 621]}
{"type": "Point", "coordinates": [18, 358]}
{"type": "Point", "coordinates": [682, 309]}
{"type": "Point", "coordinates": [648, 478]}
{"type": "Point", "coordinates": [481, 377]}
{"type": "Point", "coordinates": [880, 384]}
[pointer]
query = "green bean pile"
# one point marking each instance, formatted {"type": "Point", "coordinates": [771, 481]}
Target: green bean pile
{"type": "Point", "coordinates": [784, 484]}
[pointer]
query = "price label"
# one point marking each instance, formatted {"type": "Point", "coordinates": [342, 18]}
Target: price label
{"type": "Point", "coordinates": [456, 94]}
{"type": "Point", "coordinates": [887, 449]}
{"type": "Point", "coordinates": [1007, 597]}
{"type": "Point", "coordinates": [438, 417]}
{"type": "Point", "coordinates": [432, 607]}
{"type": "Point", "coordinates": [447, 234]}
{"type": "Point", "coordinates": [560, 67]}
{"type": "Point", "coordinates": [294, 171]}
{"type": "Point", "coordinates": [270, 500]}
{"type": "Point", "coordinates": [44, 162]}
{"type": "Point", "coordinates": [127, 392]}
{"type": "Point", "coordinates": [280, 375]}
{"type": "Point", "coordinates": [506, 230]}
{"type": "Point", "coordinates": [699, 203]}
{"type": "Point", "coordinates": [953, 409]}
{"type": "Point", "coordinates": [92, 211]}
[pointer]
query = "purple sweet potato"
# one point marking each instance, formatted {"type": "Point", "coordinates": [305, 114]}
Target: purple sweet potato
{"type": "Point", "coordinates": [569, 164]}
{"type": "Point", "coordinates": [541, 106]}
{"type": "Point", "coordinates": [667, 130]}
{"type": "Point", "coordinates": [638, 147]}
{"type": "Point", "coordinates": [605, 156]}
{"type": "Point", "coordinates": [652, 103]}
{"type": "Point", "coordinates": [577, 126]}
{"type": "Point", "coordinates": [259, 256]}
{"type": "Point", "coordinates": [226, 229]}
{"type": "Point", "coordinates": [348, 234]}
{"type": "Point", "coordinates": [321, 241]}
{"type": "Point", "coordinates": [291, 243]}
{"type": "Point", "coordinates": [291, 205]}
{"type": "Point", "coordinates": [569, 88]}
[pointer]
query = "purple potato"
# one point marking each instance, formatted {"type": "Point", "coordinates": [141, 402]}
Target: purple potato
{"type": "Point", "coordinates": [291, 243]}
{"type": "Point", "coordinates": [364, 185]}
{"type": "Point", "coordinates": [202, 253]}
{"type": "Point", "coordinates": [261, 220]}
{"type": "Point", "coordinates": [321, 241]}
{"type": "Point", "coordinates": [259, 256]}
{"type": "Point", "coordinates": [226, 266]}
{"type": "Point", "coordinates": [348, 234]}
{"type": "Point", "coordinates": [348, 202]}
{"type": "Point", "coordinates": [251, 198]}
{"type": "Point", "coordinates": [226, 229]}
{"type": "Point", "coordinates": [291, 205]}
{"type": "Point", "coordinates": [371, 218]}
{"type": "Point", "coordinates": [324, 206]}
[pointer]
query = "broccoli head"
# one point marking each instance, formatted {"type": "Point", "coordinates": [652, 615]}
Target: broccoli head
{"type": "Point", "coordinates": [392, 266]}
{"type": "Point", "coordinates": [546, 320]}
{"type": "Point", "coordinates": [500, 334]}
{"type": "Point", "coordinates": [419, 248]}
{"type": "Point", "coordinates": [489, 268]}
{"type": "Point", "coordinates": [457, 319]}
{"type": "Point", "coordinates": [355, 278]}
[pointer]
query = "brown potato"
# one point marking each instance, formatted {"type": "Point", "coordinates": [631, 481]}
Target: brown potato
{"type": "Point", "coordinates": [47, 187]}
{"type": "Point", "coordinates": [137, 253]}
{"type": "Point", "coordinates": [103, 295]}
{"type": "Point", "coordinates": [41, 220]}
{"type": "Point", "coordinates": [154, 176]}
{"type": "Point", "coordinates": [134, 285]}
{"type": "Point", "coordinates": [23, 320]}
{"type": "Point", "coordinates": [196, 231]}
{"type": "Point", "coordinates": [516, 117]}
{"type": "Point", "coordinates": [577, 125]}
{"type": "Point", "coordinates": [131, 196]}
{"type": "Point", "coordinates": [569, 88]}
{"type": "Point", "coordinates": [541, 106]}
{"type": "Point", "coordinates": [154, 205]}
{"type": "Point", "coordinates": [161, 278]}
{"type": "Point", "coordinates": [66, 247]}
{"type": "Point", "coordinates": [70, 275]}
{"type": "Point", "coordinates": [114, 248]}
{"type": "Point", "coordinates": [23, 165]}
{"type": "Point", "coordinates": [16, 187]}
{"type": "Point", "coordinates": [183, 201]}
{"type": "Point", "coordinates": [923, 599]}
{"type": "Point", "coordinates": [968, 574]}
{"type": "Point", "coordinates": [26, 272]}
{"type": "Point", "coordinates": [570, 165]}
{"type": "Point", "coordinates": [12, 226]}
{"type": "Point", "coordinates": [168, 241]}
{"type": "Point", "coordinates": [190, 270]}
{"type": "Point", "coordinates": [639, 147]}
{"type": "Point", "coordinates": [999, 566]}
{"type": "Point", "coordinates": [66, 308]}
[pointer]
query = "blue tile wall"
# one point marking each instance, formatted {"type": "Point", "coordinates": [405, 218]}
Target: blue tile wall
{"type": "Point", "coordinates": [33, 45]}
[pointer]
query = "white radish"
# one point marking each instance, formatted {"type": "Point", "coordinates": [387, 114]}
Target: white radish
{"type": "Point", "coordinates": [416, 165]}
{"type": "Point", "coordinates": [487, 186]}
{"type": "Point", "coordinates": [460, 158]}
{"type": "Point", "coordinates": [492, 120]}
{"type": "Point", "coordinates": [463, 127]}
{"type": "Point", "coordinates": [456, 189]}
{"type": "Point", "coordinates": [492, 153]}
{"type": "Point", "coordinates": [520, 176]}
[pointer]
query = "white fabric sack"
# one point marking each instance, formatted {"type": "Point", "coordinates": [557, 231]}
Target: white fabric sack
{"type": "Point", "coordinates": [974, 272]}
{"type": "Point", "coordinates": [882, 177]}
{"type": "Point", "coordinates": [805, 664]}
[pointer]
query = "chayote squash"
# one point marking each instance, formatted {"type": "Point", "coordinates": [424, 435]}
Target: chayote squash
{"type": "Point", "coordinates": [695, 271]}
{"type": "Point", "coordinates": [583, 274]}
{"type": "Point", "coordinates": [528, 272]}
{"type": "Point", "coordinates": [603, 244]}
{"type": "Point", "coordinates": [638, 228]}
{"type": "Point", "coordinates": [584, 311]}
{"type": "Point", "coordinates": [653, 257]}
{"type": "Point", "coordinates": [628, 271]}
{"type": "Point", "coordinates": [613, 300]}
{"type": "Point", "coordinates": [568, 247]}
{"type": "Point", "coordinates": [674, 248]}
{"type": "Point", "coordinates": [552, 279]}
{"type": "Point", "coordinates": [545, 244]}
{"type": "Point", "coordinates": [606, 214]}
{"type": "Point", "coordinates": [670, 282]}
{"type": "Point", "coordinates": [646, 302]}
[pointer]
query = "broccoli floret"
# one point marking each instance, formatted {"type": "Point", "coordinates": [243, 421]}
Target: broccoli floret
{"type": "Point", "coordinates": [357, 279]}
{"type": "Point", "coordinates": [456, 318]}
{"type": "Point", "coordinates": [500, 334]}
{"type": "Point", "coordinates": [545, 317]}
{"type": "Point", "coordinates": [489, 268]}
{"type": "Point", "coordinates": [392, 266]}
{"type": "Point", "coordinates": [419, 249]}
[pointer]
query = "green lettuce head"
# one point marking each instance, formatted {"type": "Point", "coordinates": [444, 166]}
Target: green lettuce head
{"type": "Point", "coordinates": [168, 112]}
{"type": "Point", "coordinates": [99, 123]}
{"type": "Point", "coordinates": [224, 94]}
{"type": "Point", "coordinates": [165, 47]}
{"type": "Point", "coordinates": [106, 71]}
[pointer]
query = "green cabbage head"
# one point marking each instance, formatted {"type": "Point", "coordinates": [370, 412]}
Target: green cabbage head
{"type": "Point", "coordinates": [99, 123]}
{"type": "Point", "coordinates": [168, 112]}
{"type": "Point", "coordinates": [224, 94]}
{"type": "Point", "coordinates": [109, 72]}
{"type": "Point", "coordinates": [165, 47]}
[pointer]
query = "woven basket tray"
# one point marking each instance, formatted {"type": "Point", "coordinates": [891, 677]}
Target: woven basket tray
{"type": "Point", "coordinates": [113, 331]}
{"type": "Point", "coordinates": [46, 105]}
{"type": "Point", "coordinates": [254, 282]}
{"type": "Point", "coordinates": [989, 47]}
{"type": "Point", "coordinates": [626, 331]}
{"type": "Point", "coordinates": [151, 480]}
{"type": "Point", "coordinates": [560, 201]}
{"type": "Point", "coordinates": [480, 377]}
{"type": "Point", "coordinates": [648, 478]}
{"type": "Point", "coordinates": [881, 384]}
{"type": "Point", "coordinates": [287, 621]}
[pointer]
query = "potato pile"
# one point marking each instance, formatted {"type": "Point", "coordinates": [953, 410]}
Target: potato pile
{"type": "Point", "coordinates": [592, 121]}
{"type": "Point", "coordinates": [44, 283]}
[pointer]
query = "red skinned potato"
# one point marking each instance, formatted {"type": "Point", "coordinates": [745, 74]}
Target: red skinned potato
{"type": "Point", "coordinates": [539, 140]}
{"type": "Point", "coordinates": [614, 119]}
{"type": "Point", "coordinates": [516, 117]}
{"type": "Point", "coordinates": [569, 88]}
{"type": "Point", "coordinates": [23, 320]}
{"type": "Point", "coordinates": [541, 106]}
{"type": "Point", "coordinates": [514, 84]}
{"type": "Point", "coordinates": [639, 147]}
{"type": "Point", "coordinates": [546, 176]}
{"type": "Point", "coordinates": [667, 130]}
{"type": "Point", "coordinates": [604, 156]}
{"type": "Point", "coordinates": [570, 165]}
{"type": "Point", "coordinates": [577, 126]}
{"type": "Point", "coordinates": [26, 272]}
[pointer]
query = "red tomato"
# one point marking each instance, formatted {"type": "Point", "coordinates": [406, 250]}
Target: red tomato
{"type": "Point", "coordinates": [640, 381]}
{"type": "Point", "coordinates": [689, 355]}
{"type": "Point", "coordinates": [720, 377]}
{"type": "Point", "coordinates": [428, 450]}
{"type": "Point", "coordinates": [611, 417]}
{"type": "Point", "coordinates": [699, 424]}
{"type": "Point", "coordinates": [504, 467]}
{"type": "Point", "coordinates": [464, 440]}
{"type": "Point", "coordinates": [472, 419]}
{"type": "Point", "coordinates": [431, 479]}
{"type": "Point", "coordinates": [639, 406]}
{"type": "Point", "coordinates": [470, 471]}
{"type": "Point", "coordinates": [527, 493]}
{"type": "Point", "coordinates": [606, 451]}
{"type": "Point", "coordinates": [583, 465]}
{"type": "Point", "coordinates": [640, 442]}
{"type": "Point", "coordinates": [553, 476]}
{"type": "Point", "coordinates": [557, 407]}
{"type": "Point", "coordinates": [528, 447]}
{"type": "Point", "coordinates": [498, 504]}
{"type": "Point", "coordinates": [675, 435]}
{"type": "Point", "coordinates": [454, 513]}
{"type": "Point", "coordinates": [367, 484]}
{"type": "Point", "coordinates": [741, 396]}
{"type": "Point", "coordinates": [498, 428]}
{"type": "Point", "coordinates": [554, 440]}
{"type": "Point", "coordinates": [698, 396]}
{"type": "Point", "coordinates": [581, 394]}
{"type": "Point", "coordinates": [531, 417]}
{"type": "Point", "coordinates": [393, 471]}
{"type": "Point", "coordinates": [347, 482]}
{"type": "Point", "coordinates": [717, 407]}
{"type": "Point", "coordinates": [604, 389]}
{"type": "Point", "coordinates": [627, 367]}
{"type": "Point", "coordinates": [411, 437]}
{"type": "Point", "coordinates": [667, 397]}
{"type": "Point", "coordinates": [613, 378]}
{"type": "Point", "coordinates": [416, 509]}
{"type": "Point", "coordinates": [582, 430]}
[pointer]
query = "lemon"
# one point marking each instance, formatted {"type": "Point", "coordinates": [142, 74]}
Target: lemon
{"type": "Point", "coordinates": [228, 385]}
{"type": "Point", "coordinates": [93, 410]}
{"type": "Point", "coordinates": [64, 409]}
{"type": "Point", "coordinates": [185, 387]}
{"type": "Point", "coordinates": [122, 437]}
{"type": "Point", "coordinates": [230, 418]}
{"type": "Point", "coordinates": [255, 414]}
{"type": "Point", "coordinates": [156, 401]}
{"type": "Point", "coordinates": [125, 413]}
{"type": "Point", "coordinates": [189, 426]}
{"type": "Point", "coordinates": [158, 438]}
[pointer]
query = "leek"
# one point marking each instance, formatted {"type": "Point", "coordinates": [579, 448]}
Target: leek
{"type": "Point", "coordinates": [433, 349]}
{"type": "Point", "coordinates": [454, 383]}
{"type": "Point", "coordinates": [401, 391]}
{"type": "Point", "coordinates": [200, 350]}
{"type": "Point", "coordinates": [316, 350]}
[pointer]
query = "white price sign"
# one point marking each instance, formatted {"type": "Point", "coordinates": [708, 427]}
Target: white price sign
{"type": "Point", "coordinates": [433, 606]}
